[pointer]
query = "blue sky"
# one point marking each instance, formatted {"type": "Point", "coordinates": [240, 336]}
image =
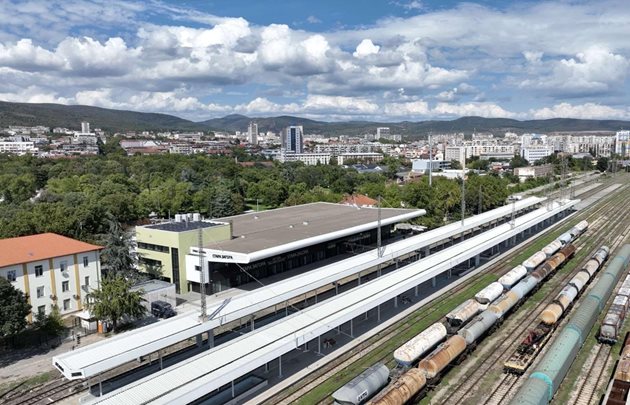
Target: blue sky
{"type": "Point", "coordinates": [329, 60]}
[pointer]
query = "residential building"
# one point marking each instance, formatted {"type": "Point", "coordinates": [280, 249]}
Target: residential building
{"type": "Point", "coordinates": [382, 132]}
{"type": "Point", "coordinates": [51, 270]}
{"type": "Point", "coordinates": [343, 158]}
{"type": "Point", "coordinates": [455, 153]}
{"type": "Point", "coordinates": [359, 200]}
{"type": "Point", "coordinates": [18, 148]}
{"type": "Point", "coordinates": [309, 159]}
{"type": "Point", "coordinates": [535, 153]}
{"type": "Point", "coordinates": [622, 143]}
{"type": "Point", "coordinates": [85, 127]}
{"type": "Point", "coordinates": [293, 140]}
{"type": "Point", "coordinates": [252, 133]}
{"type": "Point", "coordinates": [424, 165]}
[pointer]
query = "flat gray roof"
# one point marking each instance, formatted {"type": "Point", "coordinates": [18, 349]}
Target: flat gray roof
{"type": "Point", "coordinates": [183, 226]}
{"type": "Point", "coordinates": [265, 229]}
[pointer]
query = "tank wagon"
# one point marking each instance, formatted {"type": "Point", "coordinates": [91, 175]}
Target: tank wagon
{"type": "Point", "coordinates": [490, 293]}
{"type": "Point", "coordinates": [363, 387]}
{"type": "Point", "coordinates": [441, 357]}
{"type": "Point", "coordinates": [478, 327]}
{"type": "Point", "coordinates": [409, 353]}
{"type": "Point", "coordinates": [545, 379]}
{"type": "Point", "coordinates": [613, 321]}
{"type": "Point", "coordinates": [619, 388]}
{"type": "Point", "coordinates": [513, 276]}
{"type": "Point", "coordinates": [535, 339]}
{"type": "Point", "coordinates": [552, 248]}
{"type": "Point", "coordinates": [534, 261]}
{"type": "Point", "coordinates": [463, 313]}
{"type": "Point", "coordinates": [408, 386]}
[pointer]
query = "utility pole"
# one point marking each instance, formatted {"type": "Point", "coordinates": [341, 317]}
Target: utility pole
{"type": "Point", "coordinates": [463, 192]}
{"type": "Point", "coordinates": [430, 162]}
{"type": "Point", "coordinates": [480, 200]}
{"type": "Point", "coordinates": [202, 290]}
{"type": "Point", "coordinates": [379, 241]}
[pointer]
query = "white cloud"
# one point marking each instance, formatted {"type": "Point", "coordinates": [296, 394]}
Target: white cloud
{"type": "Point", "coordinates": [583, 111]}
{"type": "Point", "coordinates": [365, 48]}
{"type": "Point", "coordinates": [408, 109]}
{"type": "Point", "coordinates": [311, 19]}
{"type": "Point", "coordinates": [488, 110]}
{"type": "Point", "coordinates": [595, 70]}
{"type": "Point", "coordinates": [25, 56]}
{"type": "Point", "coordinates": [344, 105]}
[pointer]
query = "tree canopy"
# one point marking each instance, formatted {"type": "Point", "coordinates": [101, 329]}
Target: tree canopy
{"type": "Point", "coordinates": [14, 309]}
{"type": "Point", "coordinates": [114, 301]}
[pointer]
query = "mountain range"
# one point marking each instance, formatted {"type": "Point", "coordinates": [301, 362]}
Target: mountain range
{"type": "Point", "coordinates": [70, 116]}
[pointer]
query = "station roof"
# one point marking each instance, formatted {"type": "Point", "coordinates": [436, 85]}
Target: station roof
{"type": "Point", "coordinates": [187, 381]}
{"type": "Point", "coordinates": [109, 353]}
{"type": "Point", "coordinates": [265, 229]}
{"type": "Point", "coordinates": [27, 249]}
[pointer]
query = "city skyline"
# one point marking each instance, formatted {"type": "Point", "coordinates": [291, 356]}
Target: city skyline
{"type": "Point", "coordinates": [392, 61]}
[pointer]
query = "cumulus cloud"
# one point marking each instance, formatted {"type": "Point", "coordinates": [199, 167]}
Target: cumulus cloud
{"type": "Point", "coordinates": [583, 111]}
{"type": "Point", "coordinates": [596, 70]}
{"type": "Point", "coordinates": [488, 110]}
{"type": "Point", "coordinates": [365, 48]}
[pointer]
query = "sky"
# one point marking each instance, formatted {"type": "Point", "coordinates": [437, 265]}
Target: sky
{"type": "Point", "coordinates": [382, 60]}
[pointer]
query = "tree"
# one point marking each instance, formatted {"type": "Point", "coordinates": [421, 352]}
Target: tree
{"type": "Point", "coordinates": [13, 309]}
{"type": "Point", "coordinates": [518, 161]}
{"type": "Point", "coordinates": [118, 254]}
{"type": "Point", "coordinates": [52, 323]}
{"type": "Point", "coordinates": [602, 164]}
{"type": "Point", "coordinates": [114, 301]}
{"type": "Point", "coordinates": [456, 164]}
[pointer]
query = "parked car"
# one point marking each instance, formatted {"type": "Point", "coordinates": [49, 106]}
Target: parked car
{"type": "Point", "coordinates": [162, 309]}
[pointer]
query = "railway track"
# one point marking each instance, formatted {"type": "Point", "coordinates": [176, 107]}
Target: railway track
{"type": "Point", "coordinates": [54, 391]}
{"type": "Point", "coordinates": [497, 355]}
{"type": "Point", "coordinates": [597, 366]}
{"type": "Point", "coordinates": [311, 382]}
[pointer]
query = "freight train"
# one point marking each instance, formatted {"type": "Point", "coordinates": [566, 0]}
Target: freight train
{"type": "Point", "coordinates": [463, 328]}
{"type": "Point", "coordinates": [609, 331]}
{"type": "Point", "coordinates": [548, 374]}
{"type": "Point", "coordinates": [536, 338]}
{"type": "Point", "coordinates": [619, 388]}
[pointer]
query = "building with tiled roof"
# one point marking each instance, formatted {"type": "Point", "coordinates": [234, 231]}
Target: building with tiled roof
{"type": "Point", "coordinates": [51, 270]}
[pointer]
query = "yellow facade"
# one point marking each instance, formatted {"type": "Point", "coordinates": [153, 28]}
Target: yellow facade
{"type": "Point", "coordinates": [182, 241]}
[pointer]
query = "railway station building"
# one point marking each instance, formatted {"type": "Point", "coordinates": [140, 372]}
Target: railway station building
{"type": "Point", "coordinates": [266, 243]}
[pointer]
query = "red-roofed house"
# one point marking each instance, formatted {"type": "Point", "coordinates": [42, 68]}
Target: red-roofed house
{"type": "Point", "coordinates": [51, 270]}
{"type": "Point", "coordinates": [359, 200]}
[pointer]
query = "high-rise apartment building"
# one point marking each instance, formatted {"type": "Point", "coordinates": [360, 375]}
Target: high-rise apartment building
{"type": "Point", "coordinates": [252, 133]}
{"type": "Point", "coordinates": [382, 132]}
{"type": "Point", "coordinates": [293, 140]}
{"type": "Point", "coordinates": [85, 127]}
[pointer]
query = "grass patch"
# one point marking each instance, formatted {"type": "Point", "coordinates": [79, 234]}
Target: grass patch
{"type": "Point", "coordinates": [27, 383]}
{"type": "Point", "coordinates": [440, 309]}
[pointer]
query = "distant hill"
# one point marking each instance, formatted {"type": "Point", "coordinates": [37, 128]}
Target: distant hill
{"type": "Point", "coordinates": [70, 116]}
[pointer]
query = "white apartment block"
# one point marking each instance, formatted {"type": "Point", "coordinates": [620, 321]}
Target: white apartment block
{"type": "Point", "coordinates": [343, 158]}
{"type": "Point", "coordinates": [18, 148]}
{"type": "Point", "coordinates": [309, 159]}
{"type": "Point", "coordinates": [51, 270]}
{"type": "Point", "coordinates": [455, 153]}
{"type": "Point", "coordinates": [535, 153]}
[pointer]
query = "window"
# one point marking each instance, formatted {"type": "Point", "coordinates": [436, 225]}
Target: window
{"type": "Point", "coordinates": [41, 309]}
{"type": "Point", "coordinates": [40, 292]}
{"type": "Point", "coordinates": [11, 275]}
{"type": "Point", "coordinates": [39, 271]}
{"type": "Point", "coordinates": [63, 266]}
{"type": "Point", "coordinates": [155, 248]}
{"type": "Point", "coordinates": [197, 268]}
{"type": "Point", "coordinates": [86, 261]}
{"type": "Point", "coordinates": [66, 304]}
{"type": "Point", "coordinates": [65, 286]}
{"type": "Point", "coordinates": [87, 280]}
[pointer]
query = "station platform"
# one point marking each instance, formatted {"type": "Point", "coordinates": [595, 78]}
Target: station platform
{"type": "Point", "coordinates": [188, 381]}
